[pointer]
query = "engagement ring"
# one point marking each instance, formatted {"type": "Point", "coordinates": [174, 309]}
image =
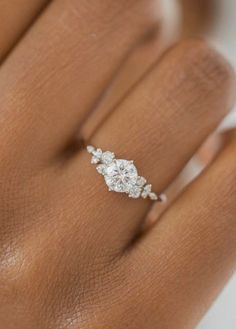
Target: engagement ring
{"type": "Point", "coordinates": [122, 176]}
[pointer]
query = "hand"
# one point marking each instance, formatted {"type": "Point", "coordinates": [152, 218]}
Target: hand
{"type": "Point", "coordinates": [72, 255]}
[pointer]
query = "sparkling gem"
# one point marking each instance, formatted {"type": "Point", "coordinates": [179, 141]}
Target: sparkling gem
{"type": "Point", "coordinates": [135, 192]}
{"type": "Point", "coordinates": [121, 175]}
{"type": "Point", "coordinates": [95, 160]}
{"type": "Point", "coordinates": [90, 149]}
{"type": "Point", "coordinates": [97, 153]}
{"type": "Point", "coordinates": [101, 169]}
{"type": "Point", "coordinates": [141, 181]}
{"type": "Point", "coordinates": [146, 191]}
{"type": "Point", "coordinates": [107, 157]}
{"type": "Point", "coordinates": [153, 196]}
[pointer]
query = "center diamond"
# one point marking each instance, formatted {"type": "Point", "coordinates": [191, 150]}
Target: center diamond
{"type": "Point", "coordinates": [121, 175]}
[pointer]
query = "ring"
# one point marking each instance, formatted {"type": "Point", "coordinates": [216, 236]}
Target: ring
{"type": "Point", "coordinates": [122, 176]}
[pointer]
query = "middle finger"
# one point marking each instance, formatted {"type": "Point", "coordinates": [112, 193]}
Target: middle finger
{"type": "Point", "coordinates": [61, 67]}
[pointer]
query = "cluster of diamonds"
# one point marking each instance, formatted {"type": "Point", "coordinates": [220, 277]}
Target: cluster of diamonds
{"type": "Point", "coordinates": [121, 175]}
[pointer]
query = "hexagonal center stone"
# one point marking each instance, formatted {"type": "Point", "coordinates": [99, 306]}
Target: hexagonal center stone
{"type": "Point", "coordinates": [121, 175]}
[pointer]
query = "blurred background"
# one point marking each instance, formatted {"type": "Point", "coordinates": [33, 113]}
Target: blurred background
{"type": "Point", "coordinates": [215, 20]}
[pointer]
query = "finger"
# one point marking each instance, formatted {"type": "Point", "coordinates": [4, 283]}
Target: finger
{"type": "Point", "coordinates": [141, 59]}
{"type": "Point", "coordinates": [72, 53]}
{"type": "Point", "coordinates": [135, 67]}
{"type": "Point", "coordinates": [179, 98]}
{"type": "Point", "coordinates": [15, 18]}
{"type": "Point", "coordinates": [190, 253]}
{"type": "Point", "coordinates": [197, 16]}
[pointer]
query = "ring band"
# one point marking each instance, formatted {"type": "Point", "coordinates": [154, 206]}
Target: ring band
{"type": "Point", "coordinates": [122, 176]}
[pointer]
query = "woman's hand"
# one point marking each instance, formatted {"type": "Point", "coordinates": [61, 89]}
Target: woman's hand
{"type": "Point", "coordinates": [71, 254]}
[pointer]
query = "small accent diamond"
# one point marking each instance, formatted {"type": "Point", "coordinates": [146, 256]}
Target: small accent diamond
{"type": "Point", "coordinates": [90, 149]}
{"type": "Point", "coordinates": [97, 154]}
{"type": "Point", "coordinates": [135, 192]}
{"type": "Point", "coordinates": [101, 169]}
{"type": "Point", "coordinates": [107, 157]}
{"type": "Point", "coordinates": [141, 181]}
{"type": "Point", "coordinates": [153, 196]}
{"type": "Point", "coordinates": [94, 160]}
{"type": "Point", "coordinates": [146, 191]}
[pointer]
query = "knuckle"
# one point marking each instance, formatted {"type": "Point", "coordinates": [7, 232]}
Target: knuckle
{"type": "Point", "coordinates": [117, 13]}
{"type": "Point", "coordinates": [207, 64]}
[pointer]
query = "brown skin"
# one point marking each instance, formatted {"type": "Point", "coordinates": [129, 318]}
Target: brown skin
{"type": "Point", "coordinates": [69, 252]}
{"type": "Point", "coordinates": [16, 16]}
{"type": "Point", "coordinates": [197, 16]}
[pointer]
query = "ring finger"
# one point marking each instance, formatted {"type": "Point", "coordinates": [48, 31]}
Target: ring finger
{"type": "Point", "coordinates": [187, 94]}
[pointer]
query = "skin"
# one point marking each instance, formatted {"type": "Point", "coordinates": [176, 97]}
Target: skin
{"type": "Point", "coordinates": [16, 17]}
{"type": "Point", "coordinates": [73, 255]}
{"type": "Point", "coordinates": [197, 16]}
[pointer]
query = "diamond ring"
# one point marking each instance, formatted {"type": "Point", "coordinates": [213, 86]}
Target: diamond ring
{"type": "Point", "coordinates": [122, 175]}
